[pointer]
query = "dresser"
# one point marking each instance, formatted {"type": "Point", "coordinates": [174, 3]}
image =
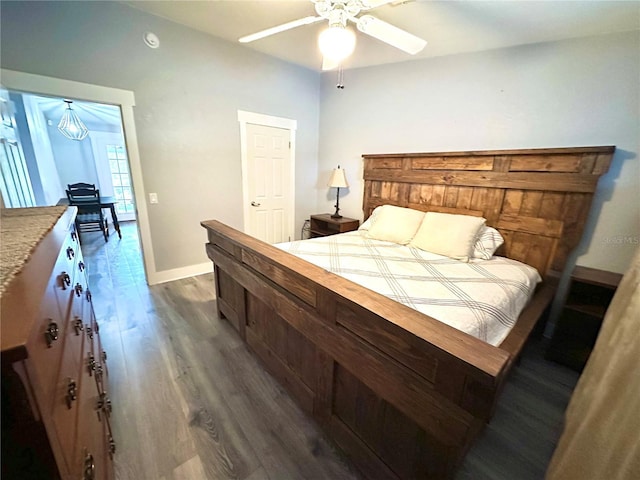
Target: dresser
{"type": "Point", "coordinates": [55, 406]}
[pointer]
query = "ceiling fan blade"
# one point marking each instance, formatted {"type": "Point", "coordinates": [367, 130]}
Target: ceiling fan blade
{"type": "Point", "coordinates": [369, 4]}
{"type": "Point", "coordinates": [389, 34]}
{"type": "Point", "coordinates": [328, 64]}
{"type": "Point", "coordinates": [279, 28]}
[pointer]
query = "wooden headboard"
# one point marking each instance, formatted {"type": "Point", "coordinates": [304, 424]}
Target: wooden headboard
{"type": "Point", "coordinates": [539, 199]}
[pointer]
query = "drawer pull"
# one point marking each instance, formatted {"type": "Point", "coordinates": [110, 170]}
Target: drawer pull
{"type": "Point", "coordinates": [89, 296]}
{"type": "Point", "coordinates": [104, 405]}
{"type": "Point", "coordinates": [65, 280]}
{"type": "Point", "coordinates": [78, 289]}
{"type": "Point", "coordinates": [112, 446]}
{"type": "Point", "coordinates": [91, 364]}
{"type": "Point", "coordinates": [89, 467]}
{"type": "Point", "coordinates": [51, 334]}
{"type": "Point", "coordinates": [104, 356]}
{"type": "Point", "coordinates": [81, 266]}
{"type": "Point", "coordinates": [98, 371]}
{"type": "Point", "coordinates": [74, 236]}
{"type": "Point", "coordinates": [89, 332]}
{"type": "Point", "coordinates": [70, 253]}
{"type": "Point", "coordinates": [72, 392]}
{"type": "Point", "coordinates": [78, 325]}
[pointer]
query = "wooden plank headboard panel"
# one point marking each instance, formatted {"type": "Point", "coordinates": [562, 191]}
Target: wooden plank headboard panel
{"type": "Point", "coordinates": [538, 199]}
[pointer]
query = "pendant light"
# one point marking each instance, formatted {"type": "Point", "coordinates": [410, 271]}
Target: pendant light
{"type": "Point", "coordinates": [70, 124]}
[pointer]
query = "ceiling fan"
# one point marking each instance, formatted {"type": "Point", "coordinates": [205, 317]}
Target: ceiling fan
{"type": "Point", "coordinates": [337, 42]}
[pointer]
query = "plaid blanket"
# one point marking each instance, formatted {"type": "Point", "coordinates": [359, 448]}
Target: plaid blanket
{"type": "Point", "coordinates": [482, 298]}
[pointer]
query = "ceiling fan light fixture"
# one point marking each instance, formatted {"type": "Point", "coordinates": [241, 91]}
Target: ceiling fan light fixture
{"type": "Point", "coordinates": [70, 124]}
{"type": "Point", "coordinates": [337, 42]}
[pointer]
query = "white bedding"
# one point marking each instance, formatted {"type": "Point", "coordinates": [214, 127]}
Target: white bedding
{"type": "Point", "coordinates": [482, 298]}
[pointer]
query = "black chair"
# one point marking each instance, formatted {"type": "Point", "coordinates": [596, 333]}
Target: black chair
{"type": "Point", "coordinates": [81, 186]}
{"type": "Point", "coordinates": [90, 217]}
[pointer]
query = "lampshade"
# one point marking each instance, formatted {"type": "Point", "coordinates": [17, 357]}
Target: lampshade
{"type": "Point", "coordinates": [70, 124]}
{"type": "Point", "coordinates": [338, 178]}
{"type": "Point", "coordinates": [337, 42]}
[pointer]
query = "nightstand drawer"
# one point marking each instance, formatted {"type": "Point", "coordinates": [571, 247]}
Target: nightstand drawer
{"type": "Point", "coordinates": [324, 224]}
{"type": "Point", "coordinates": [573, 339]}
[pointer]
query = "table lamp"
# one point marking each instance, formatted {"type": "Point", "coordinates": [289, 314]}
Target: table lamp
{"type": "Point", "coordinates": [338, 180]}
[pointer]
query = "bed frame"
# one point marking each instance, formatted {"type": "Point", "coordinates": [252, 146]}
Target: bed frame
{"type": "Point", "coordinates": [402, 394]}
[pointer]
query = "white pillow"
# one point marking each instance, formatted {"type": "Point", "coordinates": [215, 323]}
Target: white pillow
{"type": "Point", "coordinates": [448, 234]}
{"type": "Point", "coordinates": [487, 242]}
{"type": "Point", "coordinates": [395, 224]}
{"type": "Point", "coordinates": [366, 225]}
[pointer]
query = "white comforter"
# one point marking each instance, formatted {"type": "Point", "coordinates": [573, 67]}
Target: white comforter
{"type": "Point", "coordinates": [482, 298]}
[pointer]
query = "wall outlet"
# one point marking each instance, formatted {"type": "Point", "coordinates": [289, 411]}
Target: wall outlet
{"type": "Point", "coordinates": [153, 198]}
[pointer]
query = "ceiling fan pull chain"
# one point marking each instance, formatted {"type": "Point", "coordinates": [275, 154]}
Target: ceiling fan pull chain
{"type": "Point", "coordinates": [340, 85]}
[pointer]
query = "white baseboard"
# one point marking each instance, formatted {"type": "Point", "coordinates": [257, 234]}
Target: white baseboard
{"type": "Point", "coordinates": [178, 273]}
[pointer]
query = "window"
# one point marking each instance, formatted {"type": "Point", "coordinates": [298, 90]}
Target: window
{"type": "Point", "coordinates": [119, 167]}
{"type": "Point", "coordinates": [15, 183]}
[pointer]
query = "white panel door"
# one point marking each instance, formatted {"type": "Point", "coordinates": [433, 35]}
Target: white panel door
{"type": "Point", "coordinates": [268, 183]}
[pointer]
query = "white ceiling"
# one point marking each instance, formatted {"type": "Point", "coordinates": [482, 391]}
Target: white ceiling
{"type": "Point", "coordinates": [94, 115]}
{"type": "Point", "coordinates": [450, 27]}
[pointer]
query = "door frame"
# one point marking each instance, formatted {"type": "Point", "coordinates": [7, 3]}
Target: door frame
{"type": "Point", "coordinates": [268, 121]}
{"type": "Point", "coordinates": [57, 87]}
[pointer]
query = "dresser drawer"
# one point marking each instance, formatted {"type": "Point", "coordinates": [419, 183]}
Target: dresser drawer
{"type": "Point", "coordinates": [65, 407]}
{"type": "Point", "coordinates": [46, 346]}
{"type": "Point", "coordinates": [99, 354]}
{"type": "Point", "coordinates": [91, 448]}
{"type": "Point", "coordinates": [76, 321]}
{"type": "Point", "coordinates": [47, 340]}
{"type": "Point", "coordinates": [65, 280]}
{"type": "Point", "coordinates": [71, 250]}
{"type": "Point", "coordinates": [68, 258]}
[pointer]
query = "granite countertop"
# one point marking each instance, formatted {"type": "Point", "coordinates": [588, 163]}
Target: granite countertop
{"type": "Point", "coordinates": [20, 231]}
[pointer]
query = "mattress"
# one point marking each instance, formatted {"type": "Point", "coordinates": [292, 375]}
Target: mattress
{"type": "Point", "coordinates": [482, 297]}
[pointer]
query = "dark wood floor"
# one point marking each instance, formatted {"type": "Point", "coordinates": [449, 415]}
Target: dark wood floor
{"type": "Point", "coordinates": [191, 402]}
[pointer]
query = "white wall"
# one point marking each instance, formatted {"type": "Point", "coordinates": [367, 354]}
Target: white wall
{"type": "Point", "coordinates": [187, 94]}
{"type": "Point", "coordinates": [562, 94]}
{"type": "Point", "coordinates": [74, 160]}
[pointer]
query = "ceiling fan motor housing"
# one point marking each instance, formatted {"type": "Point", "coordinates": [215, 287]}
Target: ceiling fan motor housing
{"type": "Point", "coordinates": [338, 11]}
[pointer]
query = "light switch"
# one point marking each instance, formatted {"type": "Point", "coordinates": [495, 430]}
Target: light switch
{"type": "Point", "coordinates": [153, 198]}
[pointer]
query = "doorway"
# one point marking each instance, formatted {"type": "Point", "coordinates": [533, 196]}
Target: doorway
{"type": "Point", "coordinates": [52, 161]}
{"type": "Point", "coordinates": [123, 101]}
{"type": "Point", "coordinates": [268, 173]}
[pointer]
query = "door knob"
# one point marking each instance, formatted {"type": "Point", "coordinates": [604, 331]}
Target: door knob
{"type": "Point", "coordinates": [254, 204]}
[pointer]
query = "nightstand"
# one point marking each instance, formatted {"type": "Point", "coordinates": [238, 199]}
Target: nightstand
{"type": "Point", "coordinates": [590, 292]}
{"type": "Point", "coordinates": [322, 225]}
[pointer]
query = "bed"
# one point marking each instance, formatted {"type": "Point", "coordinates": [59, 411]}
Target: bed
{"type": "Point", "coordinates": [482, 297]}
{"type": "Point", "coordinates": [402, 394]}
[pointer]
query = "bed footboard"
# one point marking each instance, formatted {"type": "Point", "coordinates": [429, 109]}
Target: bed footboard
{"type": "Point", "coordinates": [402, 394]}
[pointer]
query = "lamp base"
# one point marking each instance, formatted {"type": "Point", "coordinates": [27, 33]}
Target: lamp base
{"type": "Point", "coordinates": [337, 205]}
